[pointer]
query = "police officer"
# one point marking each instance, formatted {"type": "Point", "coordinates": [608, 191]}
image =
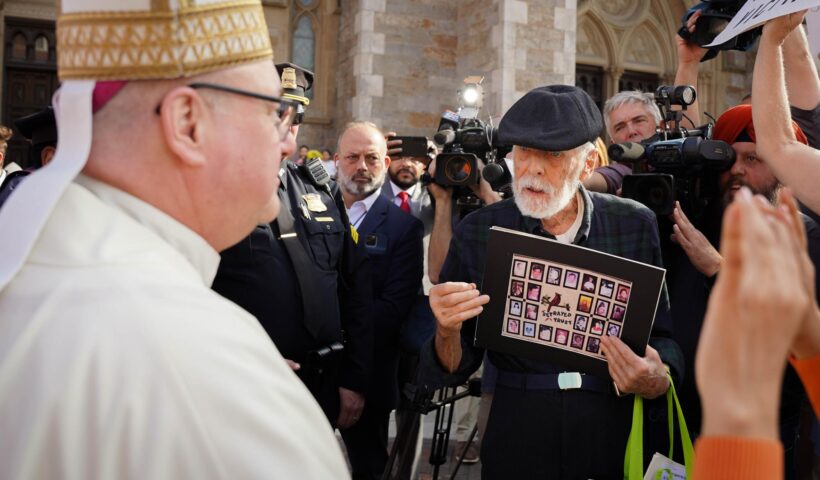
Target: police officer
{"type": "Point", "coordinates": [305, 279]}
{"type": "Point", "coordinates": [40, 130]}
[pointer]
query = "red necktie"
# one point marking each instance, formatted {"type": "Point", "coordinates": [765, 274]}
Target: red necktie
{"type": "Point", "coordinates": [405, 203]}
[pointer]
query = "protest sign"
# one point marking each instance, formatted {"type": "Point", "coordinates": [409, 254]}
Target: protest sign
{"type": "Point", "coordinates": [757, 12]}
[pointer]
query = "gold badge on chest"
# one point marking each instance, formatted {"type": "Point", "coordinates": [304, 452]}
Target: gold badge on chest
{"type": "Point", "coordinates": [314, 202]}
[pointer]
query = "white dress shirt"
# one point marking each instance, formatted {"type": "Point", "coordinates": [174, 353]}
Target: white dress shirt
{"type": "Point", "coordinates": [359, 209]}
{"type": "Point", "coordinates": [410, 192]}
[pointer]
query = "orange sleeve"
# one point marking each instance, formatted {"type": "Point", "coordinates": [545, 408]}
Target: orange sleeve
{"type": "Point", "coordinates": [809, 371]}
{"type": "Point", "coordinates": [730, 458]}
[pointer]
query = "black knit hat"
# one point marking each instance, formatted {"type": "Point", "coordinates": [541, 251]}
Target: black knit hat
{"type": "Point", "coordinates": [554, 118]}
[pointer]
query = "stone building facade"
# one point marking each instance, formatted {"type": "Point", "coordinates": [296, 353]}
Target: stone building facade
{"type": "Point", "coordinates": [400, 63]}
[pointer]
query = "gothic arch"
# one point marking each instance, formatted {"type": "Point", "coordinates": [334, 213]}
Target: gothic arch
{"type": "Point", "coordinates": [645, 48]}
{"type": "Point", "coordinates": [595, 41]}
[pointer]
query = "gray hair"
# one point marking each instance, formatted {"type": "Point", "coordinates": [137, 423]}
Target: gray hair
{"type": "Point", "coordinates": [630, 96]}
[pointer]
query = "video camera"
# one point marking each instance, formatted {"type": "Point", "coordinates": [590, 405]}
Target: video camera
{"type": "Point", "coordinates": [714, 18]}
{"type": "Point", "coordinates": [684, 163]}
{"type": "Point", "coordinates": [465, 139]}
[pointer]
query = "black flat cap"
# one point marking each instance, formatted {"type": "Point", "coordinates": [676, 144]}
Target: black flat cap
{"type": "Point", "coordinates": [553, 118]}
{"type": "Point", "coordinates": [38, 128]}
{"type": "Point", "coordinates": [296, 81]}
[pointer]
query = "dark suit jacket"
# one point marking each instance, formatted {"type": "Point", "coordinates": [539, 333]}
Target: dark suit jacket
{"type": "Point", "coordinates": [393, 241]}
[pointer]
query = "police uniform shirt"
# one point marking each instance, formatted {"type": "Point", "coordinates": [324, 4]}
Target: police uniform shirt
{"type": "Point", "coordinates": [259, 276]}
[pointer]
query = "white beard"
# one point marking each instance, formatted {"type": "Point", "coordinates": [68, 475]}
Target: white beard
{"type": "Point", "coordinates": [361, 189]}
{"type": "Point", "coordinates": [558, 198]}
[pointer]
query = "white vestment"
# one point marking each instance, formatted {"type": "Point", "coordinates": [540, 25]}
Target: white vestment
{"type": "Point", "coordinates": [118, 361]}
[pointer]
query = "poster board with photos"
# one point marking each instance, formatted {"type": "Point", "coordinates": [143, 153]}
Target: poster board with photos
{"type": "Point", "coordinates": [554, 302]}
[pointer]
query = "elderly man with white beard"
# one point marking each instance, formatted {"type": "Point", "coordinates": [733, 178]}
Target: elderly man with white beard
{"type": "Point", "coordinates": [537, 429]}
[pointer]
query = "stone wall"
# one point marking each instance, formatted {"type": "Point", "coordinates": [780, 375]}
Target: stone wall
{"type": "Point", "coordinates": [401, 63]}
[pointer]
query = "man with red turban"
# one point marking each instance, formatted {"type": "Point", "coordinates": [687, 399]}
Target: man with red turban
{"type": "Point", "coordinates": [736, 128]}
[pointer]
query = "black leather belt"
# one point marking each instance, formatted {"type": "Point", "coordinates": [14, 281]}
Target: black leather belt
{"type": "Point", "coordinates": [553, 381]}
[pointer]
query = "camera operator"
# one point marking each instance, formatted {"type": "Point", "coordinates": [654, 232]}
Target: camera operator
{"type": "Point", "coordinates": [632, 116]}
{"type": "Point", "coordinates": [306, 281]}
{"type": "Point", "coordinates": [629, 116]}
{"type": "Point", "coordinates": [536, 427]}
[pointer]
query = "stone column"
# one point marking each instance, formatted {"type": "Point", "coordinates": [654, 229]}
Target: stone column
{"type": "Point", "coordinates": [368, 46]}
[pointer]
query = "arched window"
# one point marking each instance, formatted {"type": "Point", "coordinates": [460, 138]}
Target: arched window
{"type": "Point", "coordinates": [18, 47]}
{"type": "Point", "coordinates": [41, 48]}
{"type": "Point", "coordinates": [304, 43]}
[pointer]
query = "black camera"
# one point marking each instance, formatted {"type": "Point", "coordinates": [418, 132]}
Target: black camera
{"type": "Point", "coordinates": [465, 139]}
{"type": "Point", "coordinates": [714, 18]}
{"type": "Point", "coordinates": [462, 147]}
{"type": "Point", "coordinates": [684, 164]}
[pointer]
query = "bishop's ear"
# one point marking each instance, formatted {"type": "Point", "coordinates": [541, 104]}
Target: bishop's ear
{"type": "Point", "coordinates": [184, 118]}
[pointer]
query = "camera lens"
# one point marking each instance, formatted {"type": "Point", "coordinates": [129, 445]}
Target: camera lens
{"type": "Point", "coordinates": [458, 170]}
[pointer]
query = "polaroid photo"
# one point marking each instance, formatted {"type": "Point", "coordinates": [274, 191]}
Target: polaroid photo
{"type": "Point", "coordinates": [515, 308]}
{"type": "Point", "coordinates": [517, 289]}
{"type": "Point", "coordinates": [607, 287]}
{"type": "Point", "coordinates": [537, 272]}
{"type": "Point", "coordinates": [519, 268]}
{"type": "Point", "coordinates": [529, 329]}
{"type": "Point", "coordinates": [534, 292]}
{"type": "Point", "coordinates": [545, 333]}
{"type": "Point", "coordinates": [589, 283]}
{"type": "Point", "coordinates": [602, 308]}
{"type": "Point", "coordinates": [597, 327]}
{"type": "Point", "coordinates": [584, 303]}
{"type": "Point", "coordinates": [578, 340]}
{"type": "Point", "coordinates": [623, 293]}
{"type": "Point", "coordinates": [571, 279]}
{"type": "Point", "coordinates": [531, 312]}
{"type": "Point", "coordinates": [593, 344]}
{"type": "Point", "coordinates": [554, 276]}
{"type": "Point", "coordinates": [513, 325]}
{"type": "Point", "coordinates": [618, 313]}
{"type": "Point", "coordinates": [581, 323]}
{"type": "Point", "coordinates": [561, 336]}
{"type": "Point", "coordinates": [613, 330]}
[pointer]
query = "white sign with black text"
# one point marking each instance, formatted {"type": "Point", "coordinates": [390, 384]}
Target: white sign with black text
{"type": "Point", "coordinates": [757, 12]}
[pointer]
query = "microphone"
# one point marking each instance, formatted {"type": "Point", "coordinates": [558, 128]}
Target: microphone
{"type": "Point", "coordinates": [626, 152]}
{"type": "Point", "coordinates": [492, 172]}
{"type": "Point", "coordinates": [445, 136]}
{"type": "Point", "coordinates": [447, 126]}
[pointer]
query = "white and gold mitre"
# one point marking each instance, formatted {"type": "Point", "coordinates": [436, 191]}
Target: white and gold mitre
{"type": "Point", "coordinates": [101, 43]}
{"type": "Point", "coordinates": [153, 39]}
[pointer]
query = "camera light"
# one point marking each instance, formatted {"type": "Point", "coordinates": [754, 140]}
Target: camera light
{"type": "Point", "coordinates": [471, 95]}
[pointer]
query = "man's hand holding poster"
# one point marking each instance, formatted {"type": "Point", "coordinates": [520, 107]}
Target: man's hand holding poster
{"type": "Point", "coordinates": [554, 302]}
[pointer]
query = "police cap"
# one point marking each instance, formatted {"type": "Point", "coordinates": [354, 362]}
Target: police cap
{"type": "Point", "coordinates": [554, 118]}
{"type": "Point", "coordinates": [296, 81]}
{"type": "Point", "coordinates": [39, 128]}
